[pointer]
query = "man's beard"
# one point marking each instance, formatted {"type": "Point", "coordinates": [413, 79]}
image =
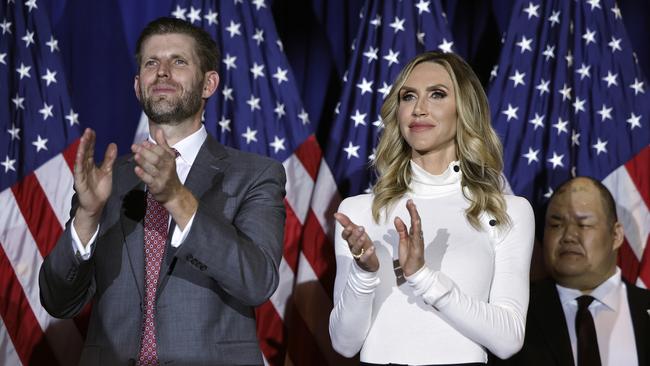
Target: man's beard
{"type": "Point", "coordinates": [172, 111]}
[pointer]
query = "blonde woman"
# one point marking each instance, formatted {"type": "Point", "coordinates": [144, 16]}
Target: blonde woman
{"type": "Point", "coordinates": [432, 268]}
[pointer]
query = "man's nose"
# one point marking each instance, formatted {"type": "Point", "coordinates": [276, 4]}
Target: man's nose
{"type": "Point", "coordinates": [163, 70]}
{"type": "Point", "coordinates": [570, 233]}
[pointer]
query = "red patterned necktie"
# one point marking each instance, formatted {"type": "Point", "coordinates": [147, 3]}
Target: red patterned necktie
{"type": "Point", "coordinates": [155, 236]}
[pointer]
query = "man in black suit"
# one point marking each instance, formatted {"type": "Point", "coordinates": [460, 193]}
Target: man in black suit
{"type": "Point", "coordinates": [581, 240]}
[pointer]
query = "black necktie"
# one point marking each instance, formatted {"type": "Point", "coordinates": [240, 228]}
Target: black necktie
{"type": "Point", "coordinates": [588, 353]}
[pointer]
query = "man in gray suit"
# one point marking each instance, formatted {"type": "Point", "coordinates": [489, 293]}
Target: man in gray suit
{"type": "Point", "coordinates": [175, 244]}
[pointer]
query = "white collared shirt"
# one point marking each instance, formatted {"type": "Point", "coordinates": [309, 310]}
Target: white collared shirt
{"type": "Point", "coordinates": [611, 313]}
{"type": "Point", "coordinates": [188, 148]}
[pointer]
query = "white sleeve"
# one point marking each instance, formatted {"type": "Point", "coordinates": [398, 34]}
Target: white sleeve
{"type": "Point", "coordinates": [498, 324]}
{"type": "Point", "coordinates": [83, 252]}
{"type": "Point", "coordinates": [179, 235]}
{"type": "Point", "coordinates": [354, 292]}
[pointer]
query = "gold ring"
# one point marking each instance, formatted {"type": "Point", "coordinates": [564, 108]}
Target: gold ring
{"type": "Point", "coordinates": [358, 256]}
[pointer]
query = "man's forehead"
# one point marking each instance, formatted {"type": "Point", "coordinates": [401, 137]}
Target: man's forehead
{"type": "Point", "coordinates": [178, 42]}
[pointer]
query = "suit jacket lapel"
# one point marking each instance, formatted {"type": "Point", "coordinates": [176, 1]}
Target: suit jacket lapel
{"type": "Point", "coordinates": [549, 316]}
{"type": "Point", "coordinates": [639, 303]}
{"type": "Point", "coordinates": [208, 166]}
{"type": "Point", "coordinates": [130, 191]}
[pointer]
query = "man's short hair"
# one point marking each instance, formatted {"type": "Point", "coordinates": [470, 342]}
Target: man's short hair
{"type": "Point", "coordinates": [206, 47]}
{"type": "Point", "coordinates": [609, 206]}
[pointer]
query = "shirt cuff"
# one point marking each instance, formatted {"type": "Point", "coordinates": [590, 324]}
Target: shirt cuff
{"type": "Point", "coordinates": [361, 281]}
{"type": "Point", "coordinates": [78, 248]}
{"type": "Point", "coordinates": [431, 285]}
{"type": "Point", "coordinates": [179, 235]}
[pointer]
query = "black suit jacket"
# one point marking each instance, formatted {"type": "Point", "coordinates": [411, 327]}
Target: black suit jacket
{"type": "Point", "coordinates": [547, 337]}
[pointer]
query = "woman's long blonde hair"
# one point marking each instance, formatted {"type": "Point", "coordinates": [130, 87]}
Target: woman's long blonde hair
{"type": "Point", "coordinates": [477, 146]}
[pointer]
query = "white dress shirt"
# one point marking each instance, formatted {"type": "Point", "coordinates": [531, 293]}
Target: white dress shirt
{"type": "Point", "coordinates": [188, 148]}
{"type": "Point", "coordinates": [611, 313]}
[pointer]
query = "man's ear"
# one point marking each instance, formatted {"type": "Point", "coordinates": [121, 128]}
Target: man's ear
{"type": "Point", "coordinates": [136, 86]}
{"type": "Point", "coordinates": [618, 235]}
{"type": "Point", "coordinates": [210, 84]}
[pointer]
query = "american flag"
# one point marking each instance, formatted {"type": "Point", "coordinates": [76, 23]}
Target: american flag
{"type": "Point", "coordinates": [258, 109]}
{"type": "Point", "coordinates": [390, 34]}
{"type": "Point", "coordinates": [568, 99]}
{"type": "Point", "coordinates": [38, 140]}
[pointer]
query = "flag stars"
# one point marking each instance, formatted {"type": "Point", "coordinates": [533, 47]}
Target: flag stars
{"type": "Point", "coordinates": [524, 44]}
{"type": "Point", "coordinates": [548, 193]}
{"type": "Point", "coordinates": [359, 118]}
{"type": "Point", "coordinates": [72, 117]}
{"type": "Point", "coordinates": [227, 93]}
{"type": "Point", "coordinates": [594, 4]}
{"type": "Point", "coordinates": [379, 123]}
{"type": "Point", "coordinates": [6, 26]}
{"type": "Point", "coordinates": [233, 29]}
{"type": "Point", "coordinates": [279, 110]}
{"type": "Point", "coordinates": [179, 13]}
{"type": "Point", "coordinates": [617, 11]}
{"type": "Point", "coordinates": [494, 72]}
{"type": "Point", "coordinates": [615, 44]}
{"type": "Point", "coordinates": [634, 121]}
{"type": "Point", "coordinates": [224, 123]}
{"type": "Point", "coordinates": [589, 36]}
{"type": "Point", "coordinates": [254, 103]}
{"type": "Point", "coordinates": [352, 150]}
{"type": "Point", "coordinates": [518, 78]}
{"type": "Point", "coordinates": [600, 146]}
{"type": "Point", "coordinates": [194, 15]}
{"type": "Point", "coordinates": [605, 113]}
{"type": "Point", "coordinates": [14, 131]}
{"type": "Point", "coordinates": [420, 37]}
{"type": "Point", "coordinates": [31, 4]}
{"type": "Point", "coordinates": [281, 75]}
{"type": "Point", "coordinates": [556, 160]}
{"type": "Point", "coordinates": [584, 71]}
{"type": "Point", "coordinates": [230, 61]}
{"type": "Point", "coordinates": [46, 111]}
{"type": "Point", "coordinates": [391, 57]}
{"type": "Point", "coordinates": [423, 7]}
{"type": "Point", "coordinates": [211, 17]}
{"type": "Point", "coordinates": [371, 54]}
{"type": "Point", "coordinates": [303, 116]}
{"type": "Point", "coordinates": [376, 22]}
{"type": "Point", "coordinates": [511, 112]}
{"type": "Point", "coordinates": [259, 4]}
{"type": "Point", "coordinates": [49, 77]}
{"type": "Point", "coordinates": [40, 143]}
{"type": "Point", "coordinates": [258, 37]}
{"type": "Point", "coordinates": [249, 135]}
{"type": "Point", "coordinates": [554, 18]}
{"type": "Point", "coordinates": [531, 155]}
{"type": "Point", "coordinates": [637, 86]}
{"type": "Point", "coordinates": [566, 92]}
{"type": "Point", "coordinates": [579, 105]}
{"type": "Point", "coordinates": [543, 87]}
{"type": "Point", "coordinates": [538, 121]}
{"type": "Point", "coordinates": [531, 10]}
{"type": "Point", "coordinates": [575, 138]}
{"type": "Point", "coordinates": [384, 90]}
{"type": "Point", "coordinates": [446, 46]}
{"type": "Point", "coordinates": [2, 58]}
{"type": "Point", "coordinates": [610, 79]}
{"type": "Point", "coordinates": [561, 126]}
{"type": "Point", "coordinates": [277, 144]}
{"type": "Point", "coordinates": [18, 102]}
{"type": "Point", "coordinates": [8, 164]}
{"type": "Point", "coordinates": [23, 71]}
{"type": "Point", "coordinates": [397, 25]}
{"type": "Point", "coordinates": [365, 86]}
{"type": "Point", "coordinates": [569, 59]}
{"type": "Point", "coordinates": [257, 70]}
{"type": "Point", "coordinates": [28, 38]}
{"type": "Point", "coordinates": [549, 52]}
{"type": "Point", "coordinates": [53, 44]}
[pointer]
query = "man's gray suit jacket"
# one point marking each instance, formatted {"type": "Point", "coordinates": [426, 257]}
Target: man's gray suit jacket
{"type": "Point", "coordinates": [208, 287]}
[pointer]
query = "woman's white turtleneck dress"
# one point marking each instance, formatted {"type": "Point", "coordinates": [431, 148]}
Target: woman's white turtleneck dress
{"type": "Point", "coordinates": [471, 294]}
